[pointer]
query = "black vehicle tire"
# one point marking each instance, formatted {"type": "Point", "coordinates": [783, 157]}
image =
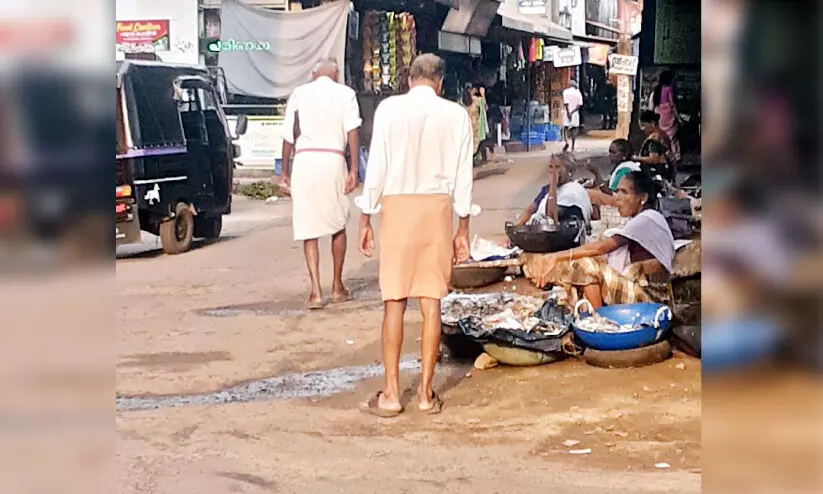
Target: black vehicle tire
{"type": "Point", "coordinates": [623, 359]}
{"type": "Point", "coordinates": [177, 233]}
{"type": "Point", "coordinates": [208, 227]}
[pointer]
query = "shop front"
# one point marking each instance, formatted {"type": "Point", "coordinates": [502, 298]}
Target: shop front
{"type": "Point", "coordinates": [532, 74]}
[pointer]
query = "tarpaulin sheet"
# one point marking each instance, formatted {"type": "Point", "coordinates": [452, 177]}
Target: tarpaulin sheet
{"type": "Point", "coordinates": [551, 312]}
{"type": "Point", "coordinates": [268, 53]}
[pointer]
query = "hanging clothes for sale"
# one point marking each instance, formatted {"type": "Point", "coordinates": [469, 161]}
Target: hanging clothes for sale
{"type": "Point", "coordinates": [540, 46]}
{"type": "Point", "coordinates": [533, 51]}
{"type": "Point", "coordinates": [521, 57]}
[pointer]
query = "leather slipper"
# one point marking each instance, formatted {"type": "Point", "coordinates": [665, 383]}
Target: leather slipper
{"type": "Point", "coordinates": [372, 407]}
{"type": "Point", "coordinates": [437, 405]}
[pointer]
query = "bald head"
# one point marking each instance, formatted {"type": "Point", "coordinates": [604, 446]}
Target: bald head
{"type": "Point", "coordinates": [326, 68]}
{"type": "Point", "coordinates": [428, 70]}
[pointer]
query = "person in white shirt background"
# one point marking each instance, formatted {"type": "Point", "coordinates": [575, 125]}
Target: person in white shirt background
{"type": "Point", "coordinates": [322, 118]}
{"type": "Point", "coordinates": [572, 102]}
{"type": "Point", "coordinates": [419, 170]}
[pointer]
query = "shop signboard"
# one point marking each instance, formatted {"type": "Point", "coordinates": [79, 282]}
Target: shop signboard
{"type": "Point", "coordinates": [599, 54]}
{"type": "Point", "coordinates": [262, 143]}
{"type": "Point", "coordinates": [147, 36]}
{"type": "Point", "coordinates": [568, 57]}
{"type": "Point", "coordinates": [622, 64]}
{"type": "Point", "coordinates": [533, 7]}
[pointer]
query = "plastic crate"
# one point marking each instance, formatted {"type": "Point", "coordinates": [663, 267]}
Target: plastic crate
{"type": "Point", "coordinates": [553, 133]}
{"type": "Point", "coordinates": [532, 138]}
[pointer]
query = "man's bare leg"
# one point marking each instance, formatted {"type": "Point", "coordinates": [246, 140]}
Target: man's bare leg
{"type": "Point", "coordinates": [338, 252]}
{"type": "Point", "coordinates": [565, 133]}
{"type": "Point", "coordinates": [392, 346]}
{"type": "Point", "coordinates": [573, 132]}
{"type": "Point", "coordinates": [312, 253]}
{"type": "Point", "coordinates": [429, 349]}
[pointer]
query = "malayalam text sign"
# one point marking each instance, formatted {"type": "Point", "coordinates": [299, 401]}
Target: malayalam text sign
{"type": "Point", "coordinates": [622, 64]}
{"type": "Point", "coordinates": [141, 36]}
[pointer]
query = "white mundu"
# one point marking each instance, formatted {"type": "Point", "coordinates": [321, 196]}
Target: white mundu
{"type": "Point", "coordinates": [326, 112]}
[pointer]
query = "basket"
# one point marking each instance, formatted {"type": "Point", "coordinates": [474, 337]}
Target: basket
{"type": "Point", "coordinates": [654, 319]}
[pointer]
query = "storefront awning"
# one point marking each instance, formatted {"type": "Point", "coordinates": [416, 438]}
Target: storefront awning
{"type": "Point", "coordinates": [470, 17]}
{"type": "Point", "coordinates": [533, 24]}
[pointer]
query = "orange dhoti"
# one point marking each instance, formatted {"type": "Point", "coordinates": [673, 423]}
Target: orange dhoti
{"type": "Point", "coordinates": [416, 248]}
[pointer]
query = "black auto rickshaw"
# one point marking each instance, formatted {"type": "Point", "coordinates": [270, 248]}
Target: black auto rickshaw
{"type": "Point", "coordinates": [175, 156]}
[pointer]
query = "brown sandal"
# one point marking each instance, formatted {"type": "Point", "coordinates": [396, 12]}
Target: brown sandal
{"type": "Point", "coordinates": [437, 405]}
{"type": "Point", "coordinates": [372, 407]}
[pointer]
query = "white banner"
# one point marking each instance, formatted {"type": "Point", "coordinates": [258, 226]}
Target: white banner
{"type": "Point", "coordinates": [567, 57]}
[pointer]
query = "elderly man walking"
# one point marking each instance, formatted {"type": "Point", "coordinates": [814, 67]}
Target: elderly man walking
{"type": "Point", "coordinates": [420, 168]}
{"type": "Point", "coordinates": [322, 118]}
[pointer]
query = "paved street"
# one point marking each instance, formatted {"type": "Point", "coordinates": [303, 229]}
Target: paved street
{"type": "Point", "coordinates": [230, 313]}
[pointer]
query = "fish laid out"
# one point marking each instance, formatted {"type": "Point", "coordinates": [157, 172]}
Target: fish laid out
{"type": "Point", "coordinates": [599, 324]}
{"type": "Point", "coordinates": [497, 311]}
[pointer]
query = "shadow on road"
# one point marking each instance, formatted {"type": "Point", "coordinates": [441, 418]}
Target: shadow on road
{"type": "Point", "coordinates": [158, 251]}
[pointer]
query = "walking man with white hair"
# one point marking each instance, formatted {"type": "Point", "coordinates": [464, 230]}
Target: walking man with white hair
{"type": "Point", "coordinates": [572, 102]}
{"type": "Point", "coordinates": [322, 119]}
{"type": "Point", "coordinates": [419, 170]}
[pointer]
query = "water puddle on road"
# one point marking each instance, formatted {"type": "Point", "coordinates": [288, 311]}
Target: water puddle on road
{"type": "Point", "coordinates": [316, 384]}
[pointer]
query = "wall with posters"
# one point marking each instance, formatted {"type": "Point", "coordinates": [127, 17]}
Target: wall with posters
{"type": "Point", "coordinates": [168, 28]}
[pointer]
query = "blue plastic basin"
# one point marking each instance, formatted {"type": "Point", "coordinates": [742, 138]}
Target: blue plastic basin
{"type": "Point", "coordinates": [626, 314]}
{"type": "Point", "coordinates": [732, 344]}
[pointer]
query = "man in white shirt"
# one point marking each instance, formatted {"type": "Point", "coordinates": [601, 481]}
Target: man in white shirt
{"type": "Point", "coordinates": [572, 102]}
{"type": "Point", "coordinates": [322, 118]}
{"type": "Point", "coordinates": [419, 170]}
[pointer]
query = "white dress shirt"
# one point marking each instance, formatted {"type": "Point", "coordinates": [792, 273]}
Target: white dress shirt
{"type": "Point", "coordinates": [421, 144]}
{"type": "Point", "coordinates": [326, 110]}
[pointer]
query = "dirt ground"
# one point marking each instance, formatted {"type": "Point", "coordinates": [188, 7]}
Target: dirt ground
{"type": "Point", "coordinates": [231, 312]}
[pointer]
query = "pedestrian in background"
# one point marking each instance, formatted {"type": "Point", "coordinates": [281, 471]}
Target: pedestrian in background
{"type": "Point", "coordinates": [329, 119]}
{"type": "Point", "coordinates": [420, 168]}
{"type": "Point", "coordinates": [572, 102]}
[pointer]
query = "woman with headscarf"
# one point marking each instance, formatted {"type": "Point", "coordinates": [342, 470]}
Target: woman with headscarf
{"type": "Point", "coordinates": [638, 256]}
{"type": "Point", "coordinates": [620, 159]}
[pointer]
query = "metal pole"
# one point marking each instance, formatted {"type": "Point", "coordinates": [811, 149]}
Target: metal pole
{"type": "Point", "coordinates": [526, 112]}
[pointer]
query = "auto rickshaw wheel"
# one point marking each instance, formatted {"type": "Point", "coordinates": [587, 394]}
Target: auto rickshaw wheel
{"type": "Point", "coordinates": [208, 227]}
{"type": "Point", "coordinates": [177, 233]}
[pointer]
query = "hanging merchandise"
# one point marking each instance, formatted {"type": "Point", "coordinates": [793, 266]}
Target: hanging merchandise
{"type": "Point", "coordinates": [389, 46]}
{"type": "Point", "coordinates": [521, 57]}
{"type": "Point", "coordinates": [539, 56]}
{"type": "Point", "coordinates": [533, 50]}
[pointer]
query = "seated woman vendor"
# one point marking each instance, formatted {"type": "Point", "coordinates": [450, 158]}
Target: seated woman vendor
{"type": "Point", "coordinates": [620, 155]}
{"type": "Point", "coordinates": [655, 154]}
{"type": "Point", "coordinates": [572, 198]}
{"type": "Point", "coordinates": [638, 256]}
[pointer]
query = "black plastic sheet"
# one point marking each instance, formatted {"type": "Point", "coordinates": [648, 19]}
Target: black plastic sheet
{"type": "Point", "coordinates": [550, 312]}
